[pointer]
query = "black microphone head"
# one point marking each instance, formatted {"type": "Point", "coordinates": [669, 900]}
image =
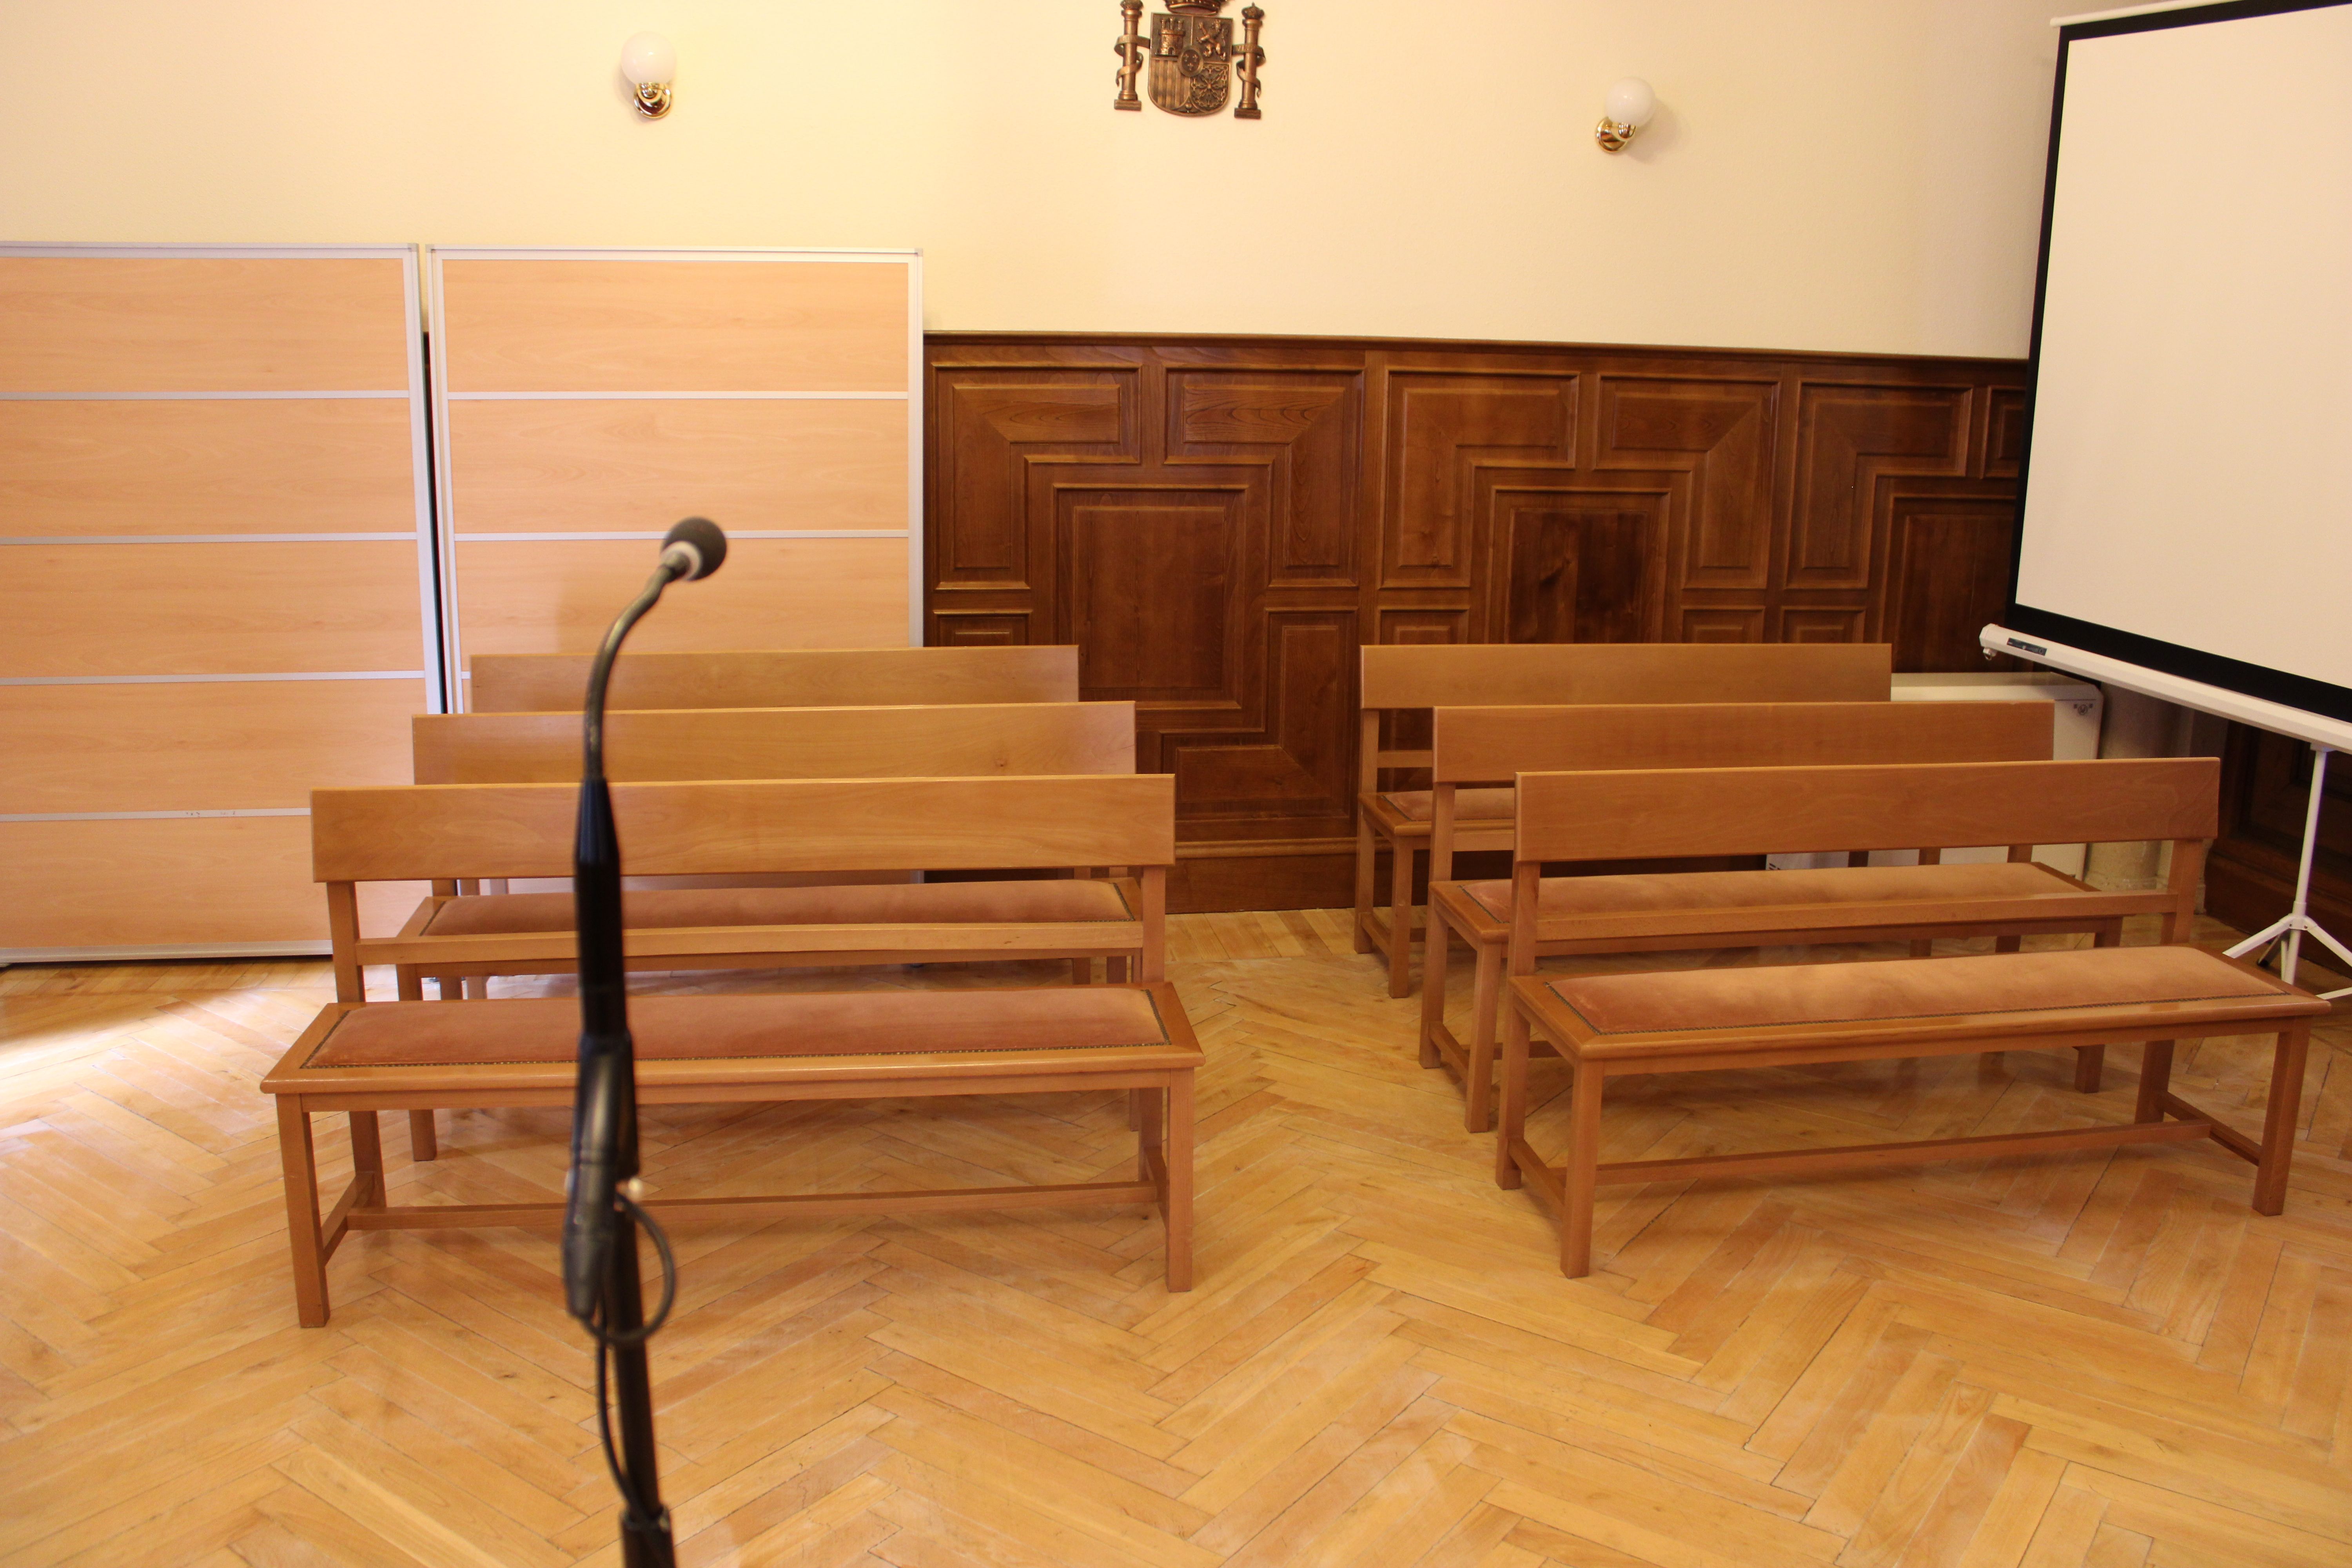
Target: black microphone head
{"type": "Point", "coordinates": [702, 537]}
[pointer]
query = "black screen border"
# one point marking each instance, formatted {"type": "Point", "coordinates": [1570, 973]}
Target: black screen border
{"type": "Point", "coordinates": [2278, 686]}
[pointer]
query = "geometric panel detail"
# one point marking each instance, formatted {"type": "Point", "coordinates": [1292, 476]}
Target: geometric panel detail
{"type": "Point", "coordinates": [1723, 623]}
{"type": "Point", "coordinates": [1295, 765]}
{"type": "Point", "coordinates": [1148, 577]}
{"type": "Point", "coordinates": [1847, 438]}
{"type": "Point", "coordinates": [1822, 623]}
{"type": "Point", "coordinates": [989, 433]}
{"type": "Point", "coordinates": [1948, 575]}
{"type": "Point", "coordinates": [1440, 431]}
{"type": "Point", "coordinates": [1720, 433]}
{"type": "Point", "coordinates": [1308, 427]}
{"type": "Point", "coordinates": [1578, 566]}
{"type": "Point", "coordinates": [982, 628]}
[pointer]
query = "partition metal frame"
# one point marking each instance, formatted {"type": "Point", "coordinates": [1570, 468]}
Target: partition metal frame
{"type": "Point", "coordinates": [432, 670]}
{"type": "Point", "coordinates": [453, 649]}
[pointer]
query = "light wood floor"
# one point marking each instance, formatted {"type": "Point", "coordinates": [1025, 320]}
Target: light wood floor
{"type": "Point", "coordinates": [2045, 1362]}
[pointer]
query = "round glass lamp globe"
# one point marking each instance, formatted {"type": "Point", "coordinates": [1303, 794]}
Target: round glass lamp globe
{"type": "Point", "coordinates": [647, 59]}
{"type": "Point", "coordinates": [1630, 102]}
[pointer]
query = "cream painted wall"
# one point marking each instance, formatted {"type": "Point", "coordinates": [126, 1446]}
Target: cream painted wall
{"type": "Point", "coordinates": [1851, 174]}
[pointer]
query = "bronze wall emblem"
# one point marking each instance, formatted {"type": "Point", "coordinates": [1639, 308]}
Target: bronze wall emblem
{"type": "Point", "coordinates": [1194, 58]}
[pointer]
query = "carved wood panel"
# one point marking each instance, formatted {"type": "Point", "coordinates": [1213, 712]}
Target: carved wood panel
{"type": "Point", "coordinates": [1849, 441]}
{"type": "Point", "coordinates": [1947, 574]}
{"type": "Point", "coordinates": [1219, 522]}
{"type": "Point", "coordinates": [1443, 429]}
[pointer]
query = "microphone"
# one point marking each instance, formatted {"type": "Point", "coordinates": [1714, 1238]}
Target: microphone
{"type": "Point", "coordinates": [603, 1117]}
{"type": "Point", "coordinates": [693, 550]}
{"type": "Point", "coordinates": [601, 1286]}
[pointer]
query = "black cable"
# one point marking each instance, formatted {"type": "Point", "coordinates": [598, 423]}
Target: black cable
{"type": "Point", "coordinates": [660, 1239]}
{"type": "Point", "coordinates": [607, 1342]}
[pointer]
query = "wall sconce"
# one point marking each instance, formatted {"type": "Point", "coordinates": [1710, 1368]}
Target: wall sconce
{"type": "Point", "coordinates": [1625, 110]}
{"type": "Point", "coordinates": [650, 64]}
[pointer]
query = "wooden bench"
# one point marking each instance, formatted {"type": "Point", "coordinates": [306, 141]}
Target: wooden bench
{"type": "Point", "coordinates": [915, 741]}
{"type": "Point", "coordinates": [1399, 679]}
{"type": "Point", "coordinates": [445, 834]}
{"type": "Point", "coordinates": [778, 678]}
{"type": "Point", "coordinates": [1638, 814]}
{"type": "Point", "coordinates": [1808, 1014]}
{"type": "Point", "coordinates": [1475, 746]}
{"type": "Point", "coordinates": [357, 1060]}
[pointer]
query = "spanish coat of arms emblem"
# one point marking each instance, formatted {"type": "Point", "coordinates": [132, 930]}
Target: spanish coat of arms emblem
{"type": "Point", "coordinates": [1193, 57]}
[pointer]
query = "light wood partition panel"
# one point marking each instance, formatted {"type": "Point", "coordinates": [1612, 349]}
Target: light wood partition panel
{"type": "Point", "coordinates": [216, 519]}
{"type": "Point", "coordinates": [586, 400]}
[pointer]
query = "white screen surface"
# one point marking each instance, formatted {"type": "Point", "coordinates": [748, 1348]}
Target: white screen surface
{"type": "Point", "coordinates": [2191, 470]}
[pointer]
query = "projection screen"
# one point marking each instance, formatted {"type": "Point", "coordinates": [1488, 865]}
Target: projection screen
{"type": "Point", "coordinates": [2187, 480]}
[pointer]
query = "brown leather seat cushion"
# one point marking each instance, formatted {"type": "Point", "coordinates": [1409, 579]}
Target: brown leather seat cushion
{"type": "Point", "coordinates": [883, 903]}
{"type": "Point", "coordinates": [745, 1026]}
{"type": "Point", "coordinates": [1902, 989]}
{"type": "Point", "coordinates": [1469, 804]}
{"type": "Point", "coordinates": [1565, 897]}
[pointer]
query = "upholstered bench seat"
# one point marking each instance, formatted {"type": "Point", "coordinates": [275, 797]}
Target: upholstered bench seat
{"type": "Point", "coordinates": [360, 1058]}
{"type": "Point", "coordinates": [521, 1038]}
{"type": "Point", "coordinates": [1700, 1020]}
{"type": "Point", "coordinates": [1707, 906]}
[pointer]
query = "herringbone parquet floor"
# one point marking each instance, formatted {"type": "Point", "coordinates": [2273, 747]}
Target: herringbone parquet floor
{"type": "Point", "coordinates": [2035, 1363]}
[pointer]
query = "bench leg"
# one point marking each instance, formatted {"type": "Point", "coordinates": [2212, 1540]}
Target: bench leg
{"type": "Point", "coordinates": [2008, 943]}
{"type": "Point", "coordinates": [2155, 1079]}
{"type": "Point", "coordinates": [1401, 919]}
{"type": "Point", "coordinates": [301, 1166]}
{"type": "Point", "coordinates": [1923, 947]}
{"type": "Point", "coordinates": [1147, 1116]}
{"type": "Point", "coordinates": [1365, 850]}
{"type": "Point", "coordinates": [1436, 957]}
{"type": "Point", "coordinates": [1580, 1173]}
{"type": "Point", "coordinates": [2091, 1061]}
{"type": "Point", "coordinates": [1177, 1208]}
{"type": "Point", "coordinates": [1115, 971]}
{"type": "Point", "coordinates": [367, 1161]}
{"type": "Point", "coordinates": [1515, 1098]}
{"type": "Point", "coordinates": [2279, 1120]}
{"type": "Point", "coordinates": [1082, 972]}
{"type": "Point", "coordinates": [423, 1144]}
{"type": "Point", "coordinates": [1478, 1056]}
{"type": "Point", "coordinates": [2090, 1067]}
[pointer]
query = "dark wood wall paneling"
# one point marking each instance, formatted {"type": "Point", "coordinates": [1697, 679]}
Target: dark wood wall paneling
{"type": "Point", "coordinates": [1218, 523]}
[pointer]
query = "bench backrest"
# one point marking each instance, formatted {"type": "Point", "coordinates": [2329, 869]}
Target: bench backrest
{"type": "Point", "coordinates": [1441, 675]}
{"type": "Point", "coordinates": [441, 831]}
{"type": "Point", "coordinates": [925, 742]}
{"type": "Point", "coordinates": [1489, 745]}
{"type": "Point", "coordinates": [778, 678]}
{"type": "Point", "coordinates": [1648, 814]}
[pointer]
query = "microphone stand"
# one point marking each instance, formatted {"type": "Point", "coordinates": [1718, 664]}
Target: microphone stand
{"type": "Point", "coordinates": [601, 1285]}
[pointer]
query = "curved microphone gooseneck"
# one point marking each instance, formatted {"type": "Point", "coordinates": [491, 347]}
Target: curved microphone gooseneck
{"type": "Point", "coordinates": [601, 1284]}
